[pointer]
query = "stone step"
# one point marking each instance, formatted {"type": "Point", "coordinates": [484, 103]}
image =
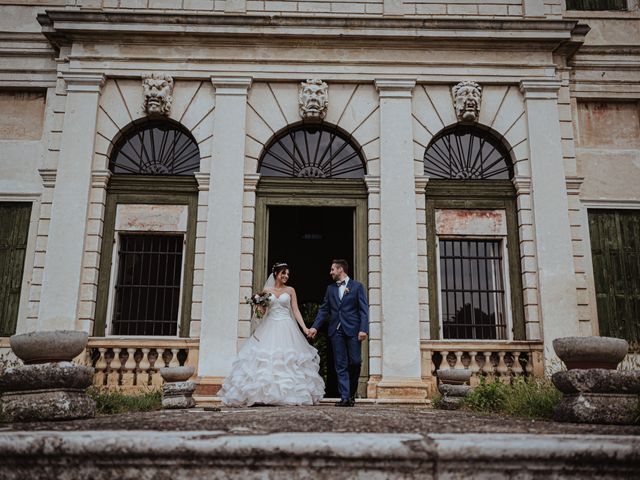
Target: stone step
{"type": "Point", "coordinates": [215, 454]}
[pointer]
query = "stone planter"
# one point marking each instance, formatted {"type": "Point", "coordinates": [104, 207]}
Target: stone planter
{"type": "Point", "coordinates": [177, 392]}
{"type": "Point", "coordinates": [177, 374]}
{"type": "Point", "coordinates": [48, 346]}
{"type": "Point", "coordinates": [453, 386]}
{"type": "Point", "coordinates": [48, 386]}
{"type": "Point", "coordinates": [590, 352]}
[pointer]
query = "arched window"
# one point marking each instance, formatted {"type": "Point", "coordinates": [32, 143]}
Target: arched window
{"type": "Point", "coordinates": [317, 151]}
{"type": "Point", "coordinates": [467, 153]}
{"type": "Point", "coordinates": [155, 147]}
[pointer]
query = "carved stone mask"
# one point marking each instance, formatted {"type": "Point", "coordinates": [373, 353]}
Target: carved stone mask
{"type": "Point", "coordinates": [466, 97]}
{"type": "Point", "coordinates": [157, 89]}
{"type": "Point", "coordinates": [313, 99]}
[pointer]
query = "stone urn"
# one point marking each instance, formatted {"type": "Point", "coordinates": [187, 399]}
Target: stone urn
{"type": "Point", "coordinates": [593, 391]}
{"type": "Point", "coordinates": [177, 391]}
{"type": "Point", "coordinates": [590, 352]}
{"type": "Point", "coordinates": [48, 346]}
{"type": "Point", "coordinates": [454, 386]}
{"type": "Point", "coordinates": [48, 386]}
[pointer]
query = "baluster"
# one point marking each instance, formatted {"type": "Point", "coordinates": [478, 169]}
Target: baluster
{"type": "Point", "coordinates": [129, 369]}
{"type": "Point", "coordinates": [502, 368]}
{"type": "Point", "coordinates": [114, 371]}
{"type": "Point", "coordinates": [143, 368]}
{"type": "Point", "coordinates": [458, 365]}
{"type": "Point", "coordinates": [474, 367]}
{"type": "Point", "coordinates": [174, 362]}
{"type": "Point", "coordinates": [487, 368]}
{"type": "Point", "coordinates": [516, 368]}
{"type": "Point", "coordinates": [100, 376]}
{"type": "Point", "coordinates": [158, 363]}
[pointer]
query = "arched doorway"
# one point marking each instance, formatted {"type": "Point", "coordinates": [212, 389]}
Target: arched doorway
{"type": "Point", "coordinates": [311, 207]}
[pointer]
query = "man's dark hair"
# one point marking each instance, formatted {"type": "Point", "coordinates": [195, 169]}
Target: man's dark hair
{"type": "Point", "coordinates": [342, 263]}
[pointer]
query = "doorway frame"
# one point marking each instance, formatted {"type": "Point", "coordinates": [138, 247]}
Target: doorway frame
{"type": "Point", "coordinates": [304, 192]}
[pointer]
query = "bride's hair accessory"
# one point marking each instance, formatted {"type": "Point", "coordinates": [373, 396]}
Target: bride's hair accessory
{"type": "Point", "coordinates": [278, 267]}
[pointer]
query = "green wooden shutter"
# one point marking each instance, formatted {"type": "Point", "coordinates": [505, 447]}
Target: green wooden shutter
{"type": "Point", "coordinates": [14, 230]}
{"type": "Point", "coordinates": [596, 4]}
{"type": "Point", "coordinates": [615, 249]}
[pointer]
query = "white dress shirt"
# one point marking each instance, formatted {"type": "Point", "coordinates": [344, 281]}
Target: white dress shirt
{"type": "Point", "coordinates": [342, 288]}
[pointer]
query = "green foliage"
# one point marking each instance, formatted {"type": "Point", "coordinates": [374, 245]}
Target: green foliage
{"type": "Point", "coordinates": [523, 397]}
{"type": "Point", "coordinates": [435, 400]}
{"type": "Point", "coordinates": [109, 402]}
{"type": "Point", "coordinates": [309, 312]}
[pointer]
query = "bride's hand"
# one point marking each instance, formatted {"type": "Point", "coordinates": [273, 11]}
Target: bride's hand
{"type": "Point", "coordinates": [305, 330]}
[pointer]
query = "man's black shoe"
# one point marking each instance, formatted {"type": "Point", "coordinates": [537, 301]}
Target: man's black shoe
{"type": "Point", "coordinates": [352, 401]}
{"type": "Point", "coordinates": [343, 403]}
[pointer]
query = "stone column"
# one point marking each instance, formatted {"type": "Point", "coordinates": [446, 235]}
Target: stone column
{"type": "Point", "coordinates": [221, 286]}
{"type": "Point", "coordinates": [556, 275]}
{"type": "Point", "coordinates": [67, 230]}
{"type": "Point", "coordinates": [401, 374]}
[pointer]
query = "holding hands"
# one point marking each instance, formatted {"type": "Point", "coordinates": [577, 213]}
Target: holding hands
{"type": "Point", "coordinates": [311, 332]}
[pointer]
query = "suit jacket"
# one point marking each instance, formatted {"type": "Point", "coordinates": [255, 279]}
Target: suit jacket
{"type": "Point", "coordinates": [351, 314]}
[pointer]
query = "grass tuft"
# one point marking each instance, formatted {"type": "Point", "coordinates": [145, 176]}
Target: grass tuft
{"type": "Point", "coordinates": [109, 402]}
{"type": "Point", "coordinates": [523, 397]}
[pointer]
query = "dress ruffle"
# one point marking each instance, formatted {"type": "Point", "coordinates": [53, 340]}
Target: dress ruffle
{"type": "Point", "coordinates": [275, 366]}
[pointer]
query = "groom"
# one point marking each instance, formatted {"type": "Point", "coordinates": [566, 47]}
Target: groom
{"type": "Point", "coordinates": [345, 305]}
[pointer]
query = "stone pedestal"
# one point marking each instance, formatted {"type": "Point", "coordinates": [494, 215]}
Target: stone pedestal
{"type": "Point", "coordinates": [453, 387]}
{"type": "Point", "coordinates": [597, 396]}
{"type": "Point", "coordinates": [48, 391]}
{"type": "Point", "coordinates": [178, 395]}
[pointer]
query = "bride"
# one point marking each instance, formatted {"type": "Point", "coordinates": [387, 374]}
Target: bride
{"type": "Point", "coordinates": [276, 365]}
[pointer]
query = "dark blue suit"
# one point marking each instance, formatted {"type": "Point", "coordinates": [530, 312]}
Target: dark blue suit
{"type": "Point", "coordinates": [346, 318]}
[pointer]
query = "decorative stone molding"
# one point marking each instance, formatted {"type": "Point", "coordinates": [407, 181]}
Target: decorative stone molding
{"type": "Point", "coordinates": [251, 182]}
{"type": "Point", "coordinates": [84, 82]}
{"type": "Point", "coordinates": [157, 89]}
{"type": "Point", "coordinates": [373, 183]}
{"type": "Point", "coordinates": [421, 183]}
{"type": "Point", "coordinates": [574, 184]}
{"type": "Point", "coordinates": [231, 85]}
{"type": "Point", "coordinates": [313, 99]}
{"type": "Point", "coordinates": [48, 176]}
{"type": "Point", "coordinates": [467, 96]}
{"type": "Point", "coordinates": [203, 180]}
{"type": "Point", "coordinates": [540, 88]}
{"type": "Point", "coordinates": [522, 184]}
{"type": "Point", "coordinates": [395, 88]}
{"type": "Point", "coordinates": [100, 178]}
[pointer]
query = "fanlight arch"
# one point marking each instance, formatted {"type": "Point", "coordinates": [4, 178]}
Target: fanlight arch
{"type": "Point", "coordinates": [312, 151]}
{"type": "Point", "coordinates": [467, 152]}
{"type": "Point", "coordinates": [155, 147]}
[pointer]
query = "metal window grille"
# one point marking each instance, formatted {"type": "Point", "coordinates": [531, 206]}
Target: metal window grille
{"type": "Point", "coordinates": [472, 289]}
{"type": "Point", "coordinates": [312, 152]}
{"type": "Point", "coordinates": [147, 297]}
{"type": "Point", "coordinates": [467, 153]}
{"type": "Point", "coordinates": [156, 148]}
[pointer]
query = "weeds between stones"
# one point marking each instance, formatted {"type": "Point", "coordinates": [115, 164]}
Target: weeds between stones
{"type": "Point", "coordinates": [109, 402]}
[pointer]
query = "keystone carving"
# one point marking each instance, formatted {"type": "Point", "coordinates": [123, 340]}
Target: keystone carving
{"type": "Point", "coordinates": [467, 96]}
{"type": "Point", "coordinates": [313, 99]}
{"type": "Point", "coordinates": [157, 90]}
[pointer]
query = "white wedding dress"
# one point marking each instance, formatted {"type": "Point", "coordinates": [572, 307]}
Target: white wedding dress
{"type": "Point", "coordinates": [276, 365]}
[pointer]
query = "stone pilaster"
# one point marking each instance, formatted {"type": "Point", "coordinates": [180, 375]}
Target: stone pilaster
{"type": "Point", "coordinates": [401, 375]}
{"type": "Point", "coordinates": [67, 232]}
{"type": "Point", "coordinates": [552, 232]}
{"type": "Point", "coordinates": [222, 258]}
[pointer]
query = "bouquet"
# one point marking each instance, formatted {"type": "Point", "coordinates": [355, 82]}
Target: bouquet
{"type": "Point", "coordinates": [259, 303]}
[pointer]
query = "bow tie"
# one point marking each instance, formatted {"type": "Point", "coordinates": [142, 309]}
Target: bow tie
{"type": "Point", "coordinates": [343, 282]}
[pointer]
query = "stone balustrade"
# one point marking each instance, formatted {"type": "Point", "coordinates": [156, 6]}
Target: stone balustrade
{"type": "Point", "coordinates": [488, 359]}
{"type": "Point", "coordinates": [131, 364]}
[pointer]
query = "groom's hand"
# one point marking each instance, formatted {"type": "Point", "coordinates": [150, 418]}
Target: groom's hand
{"type": "Point", "coordinates": [362, 336]}
{"type": "Point", "coordinates": [312, 333]}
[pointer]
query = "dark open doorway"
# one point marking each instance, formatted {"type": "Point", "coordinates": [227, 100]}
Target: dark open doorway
{"type": "Point", "coordinates": [308, 239]}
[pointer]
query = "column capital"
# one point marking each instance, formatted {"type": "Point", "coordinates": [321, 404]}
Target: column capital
{"type": "Point", "coordinates": [373, 183]}
{"type": "Point", "coordinates": [251, 181]}
{"type": "Point", "coordinates": [421, 183]}
{"type": "Point", "coordinates": [395, 87]}
{"type": "Point", "coordinates": [100, 178]}
{"type": "Point", "coordinates": [540, 88]}
{"type": "Point", "coordinates": [522, 184]}
{"type": "Point", "coordinates": [203, 179]}
{"type": "Point", "coordinates": [48, 176]}
{"type": "Point", "coordinates": [84, 82]}
{"type": "Point", "coordinates": [573, 184]}
{"type": "Point", "coordinates": [231, 85]}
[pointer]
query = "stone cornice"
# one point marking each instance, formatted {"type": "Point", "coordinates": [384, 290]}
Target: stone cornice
{"type": "Point", "coordinates": [395, 87]}
{"type": "Point", "coordinates": [84, 82]}
{"type": "Point", "coordinates": [65, 26]}
{"type": "Point", "coordinates": [540, 88]}
{"type": "Point", "coordinates": [48, 176]}
{"type": "Point", "coordinates": [231, 85]}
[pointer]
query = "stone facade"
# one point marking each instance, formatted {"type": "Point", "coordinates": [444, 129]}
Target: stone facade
{"type": "Point", "coordinates": [565, 100]}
